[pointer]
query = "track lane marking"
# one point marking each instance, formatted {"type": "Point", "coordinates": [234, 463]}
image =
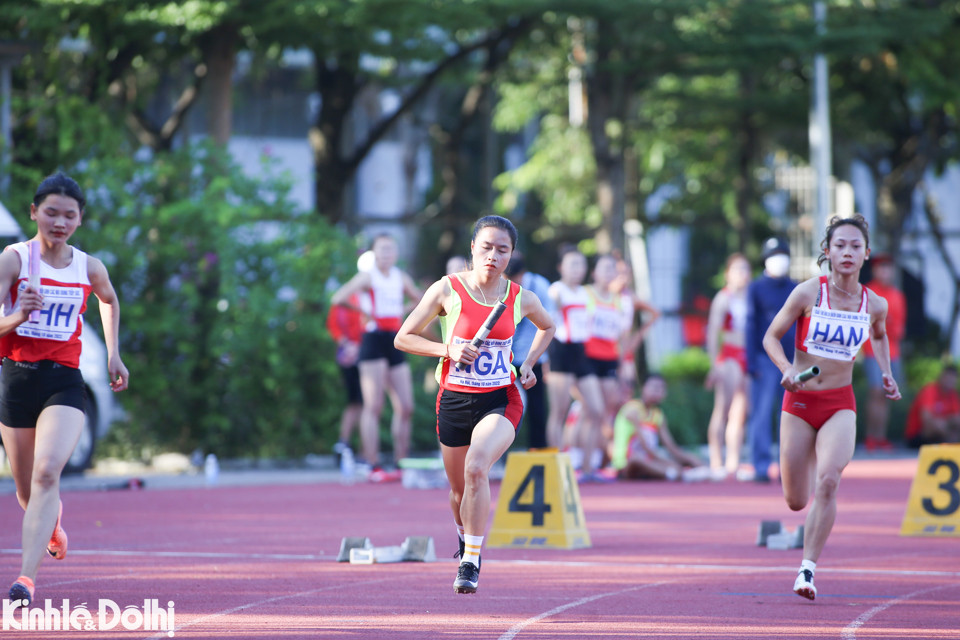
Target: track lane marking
{"type": "Point", "coordinates": [520, 626]}
{"type": "Point", "coordinates": [561, 563]}
{"type": "Point", "coordinates": [258, 603]}
{"type": "Point", "coordinates": [850, 631]}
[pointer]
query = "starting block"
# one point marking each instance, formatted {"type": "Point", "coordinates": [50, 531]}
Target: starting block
{"type": "Point", "coordinates": [362, 551]}
{"type": "Point", "coordinates": [349, 544]}
{"type": "Point", "coordinates": [772, 535]}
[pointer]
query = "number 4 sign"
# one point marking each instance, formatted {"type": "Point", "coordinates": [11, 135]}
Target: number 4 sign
{"type": "Point", "coordinates": [539, 504]}
{"type": "Point", "coordinates": [933, 508]}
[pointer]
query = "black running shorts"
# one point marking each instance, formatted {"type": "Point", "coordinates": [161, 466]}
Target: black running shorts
{"type": "Point", "coordinates": [351, 382]}
{"type": "Point", "coordinates": [377, 345]}
{"type": "Point", "coordinates": [570, 357]}
{"type": "Point", "coordinates": [458, 413]}
{"type": "Point", "coordinates": [27, 388]}
{"type": "Point", "coordinates": [604, 368]}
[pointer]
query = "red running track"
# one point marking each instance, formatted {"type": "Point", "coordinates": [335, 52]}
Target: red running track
{"type": "Point", "coordinates": [668, 561]}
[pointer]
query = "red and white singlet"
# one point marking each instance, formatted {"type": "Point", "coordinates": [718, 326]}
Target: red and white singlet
{"type": "Point", "coordinates": [492, 369]}
{"type": "Point", "coordinates": [735, 319]}
{"type": "Point", "coordinates": [831, 334]}
{"type": "Point", "coordinates": [385, 302]}
{"type": "Point", "coordinates": [606, 326]}
{"type": "Point", "coordinates": [573, 323]}
{"type": "Point", "coordinates": [56, 336]}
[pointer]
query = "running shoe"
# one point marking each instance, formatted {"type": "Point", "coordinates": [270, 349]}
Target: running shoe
{"type": "Point", "coordinates": [57, 547]}
{"type": "Point", "coordinates": [379, 474]}
{"type": "Point", "coordinates": [468, 575]}
{"type": "Point", "coordinates": [804, 585]}
{"type": "Point", "coordinates": [23, 590]}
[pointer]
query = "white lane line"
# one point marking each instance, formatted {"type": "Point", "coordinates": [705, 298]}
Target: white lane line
{"type": "Point", "coordinates": [189, 554]}
{"type": "Point", "coordinates": [91, 579]}
{"type": "Point", "coordinates": [850, 631]}
{"type": "Point", "coordinates": [227, 612]}
{"type": "Point", "coordinates": [520, 626]}
{"type": "Point", "coordinates": [561, 563]}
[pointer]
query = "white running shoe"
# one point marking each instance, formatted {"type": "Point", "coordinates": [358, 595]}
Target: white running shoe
{"type": "Point", "coordinates": [804, 585]}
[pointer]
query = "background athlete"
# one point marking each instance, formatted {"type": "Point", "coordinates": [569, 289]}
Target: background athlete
{"type": "Point", "coordinates": [478, 407]}
{"type": "Point", "coordinates": [835, 315]}
{"type": "Point", "coordinates": [42, 394]}
{"type": "Point", "coordinates": [383, 368]}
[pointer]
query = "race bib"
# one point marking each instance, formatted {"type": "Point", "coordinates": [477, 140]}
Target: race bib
{"type": "Point", "coordinates": [837, 335]}
{"type": "Point", "coordinates": [58, 319]}
{"type": "Point", "coordinates": [607, 324]}
{"type": "Point", "coordinates": [490, 370]}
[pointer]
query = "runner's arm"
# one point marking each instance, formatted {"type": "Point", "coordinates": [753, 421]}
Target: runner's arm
{"type": "Point", "coordinates": [110, 317]}
{"type": "Point", "coordinates": [881, 344]}
{"type": "Point", "coordinates": [532, 308]}
{"type": "Point", "coordinates": [29, 299]}
{"type": "Point", "coordinates": [431, 305]}
{"type": "Point", "coordinates": [356, 284]}
{"type": "Point", "coordinates": [803, 296]}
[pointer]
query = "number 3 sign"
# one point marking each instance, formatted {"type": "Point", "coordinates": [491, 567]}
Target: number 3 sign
{"type": "Point", "coordinates": [934, 505]}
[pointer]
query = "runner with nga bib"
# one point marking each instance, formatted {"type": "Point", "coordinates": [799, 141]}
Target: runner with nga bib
{"type": "Point", "coordinates": [42, 394]}
{"type": "Point", "coordinates": [835, 316]}
{"type": "Point", "coordinates": [478, 406]}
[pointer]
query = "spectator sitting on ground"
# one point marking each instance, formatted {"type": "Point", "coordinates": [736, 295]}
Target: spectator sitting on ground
{"type": "Point", "coordinates": [643, 447]}
{"type": "Point", "coordinates": [934, 416]}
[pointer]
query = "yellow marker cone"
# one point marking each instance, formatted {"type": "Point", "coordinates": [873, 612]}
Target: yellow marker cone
{"type": "Point", "coordinates": [539, 505]}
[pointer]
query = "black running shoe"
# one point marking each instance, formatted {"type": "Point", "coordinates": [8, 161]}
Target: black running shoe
{"type": "Point", "coordinates": [468, 575]}
{"type": "Point", "coordinates": [23, 590]}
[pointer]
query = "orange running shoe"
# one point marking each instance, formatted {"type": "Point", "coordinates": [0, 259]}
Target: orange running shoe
{"type": "Point", "coordinates": [23, 590]}
{"type": "Point", "coordinates": [57, 547]}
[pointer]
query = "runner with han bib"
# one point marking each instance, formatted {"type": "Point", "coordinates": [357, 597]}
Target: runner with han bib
{"type": "Point", "coordinates": [835, 316]}
{"type": "Point", "coordinates": [478, 406]}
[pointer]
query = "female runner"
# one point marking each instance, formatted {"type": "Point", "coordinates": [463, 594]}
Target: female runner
{"type": "Point", "coordinates": [42, 394]}
{"type": "Point", "coordinates": [835, 315]}
{"type": "Point", "coordinates": [478, 407]}
{"type": "Point", "coordinates": [610, 311]}
{"type": "Point", "coordinates": [382, 367]}
{"type": "Point", "coordinates": [726, 342]}
{"type": "Point", "coordinates": [569, 365]}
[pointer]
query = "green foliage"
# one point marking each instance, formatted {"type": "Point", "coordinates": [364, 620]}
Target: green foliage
{"type": "Point", "coordinates": [690, 364]}
{"type": "Point", "coordinates": [221, 283]}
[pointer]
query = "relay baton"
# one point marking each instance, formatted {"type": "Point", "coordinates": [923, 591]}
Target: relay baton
{"type": "Point", "coordinates": [809, 374]}
{"type": "Point", "coordinates": [33, 280]}
{"type": "Point", "coordinates": [484, 331]}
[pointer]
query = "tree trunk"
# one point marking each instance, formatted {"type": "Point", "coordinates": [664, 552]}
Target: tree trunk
{"type": "Point", "coordinates": [338, 85]}
{"type": "Point", "coordinates": [220, 56]}
{"type": "Point", "coordinates": [607, 99]}
{"type": "Point", "coordinates": [747, 142]}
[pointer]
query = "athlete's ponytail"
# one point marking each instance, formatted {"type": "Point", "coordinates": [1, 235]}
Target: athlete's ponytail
{"type": "Point", "coordinates": [59, 184]}
{"type": "Point", "coordinates": [836, 222]}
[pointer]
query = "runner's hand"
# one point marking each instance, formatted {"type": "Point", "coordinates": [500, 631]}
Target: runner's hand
{"type": "Point", "coordinates": [527, 377]}
{"type": "Point", "coordinates": [890, 386]}
{"type": "Point", "coordinates": [464, 353]}
{"type": "Point", "coordinates": [788, 383]}
{"type": "Point", "coordinates": [30, 300]}
{"type": "Point", "coordinates": [119, 376]}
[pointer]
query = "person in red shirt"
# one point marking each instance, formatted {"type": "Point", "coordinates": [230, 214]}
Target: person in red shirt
{"type": "Point", "coordinates": [345, 325]}
{"type": "Point", "coordinates": [878, 407]}
{"type": "Point", "coordinates": [934, 416]}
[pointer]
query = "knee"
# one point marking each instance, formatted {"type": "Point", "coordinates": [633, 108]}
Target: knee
{"type": "Point", "coordinates": [405, 410]}
{"type": "Point", "coordinates": [456, 497]}
{"type": "Point", "coordinates": [827, 485]}
{"type": "Point", "coordinates": [796, 503]}
{"type": "Point", "coordinates": [45, 476]}
{"type": "Point", "coordinates": [475, 472]}
{"type": "Point", "coordinates": [372, 407]}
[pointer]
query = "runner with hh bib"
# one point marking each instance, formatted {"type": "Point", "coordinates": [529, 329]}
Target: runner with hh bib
{"type": "Point", "coordinates": [478, 406]}
{"type": "Point", "coordinates": [835, 316]}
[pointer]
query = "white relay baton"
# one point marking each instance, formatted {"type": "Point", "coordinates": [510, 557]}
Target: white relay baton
{"type": "Point", "coordinates": [33, 274]}
{"type": "Point", "coordinates": [809, 374]}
